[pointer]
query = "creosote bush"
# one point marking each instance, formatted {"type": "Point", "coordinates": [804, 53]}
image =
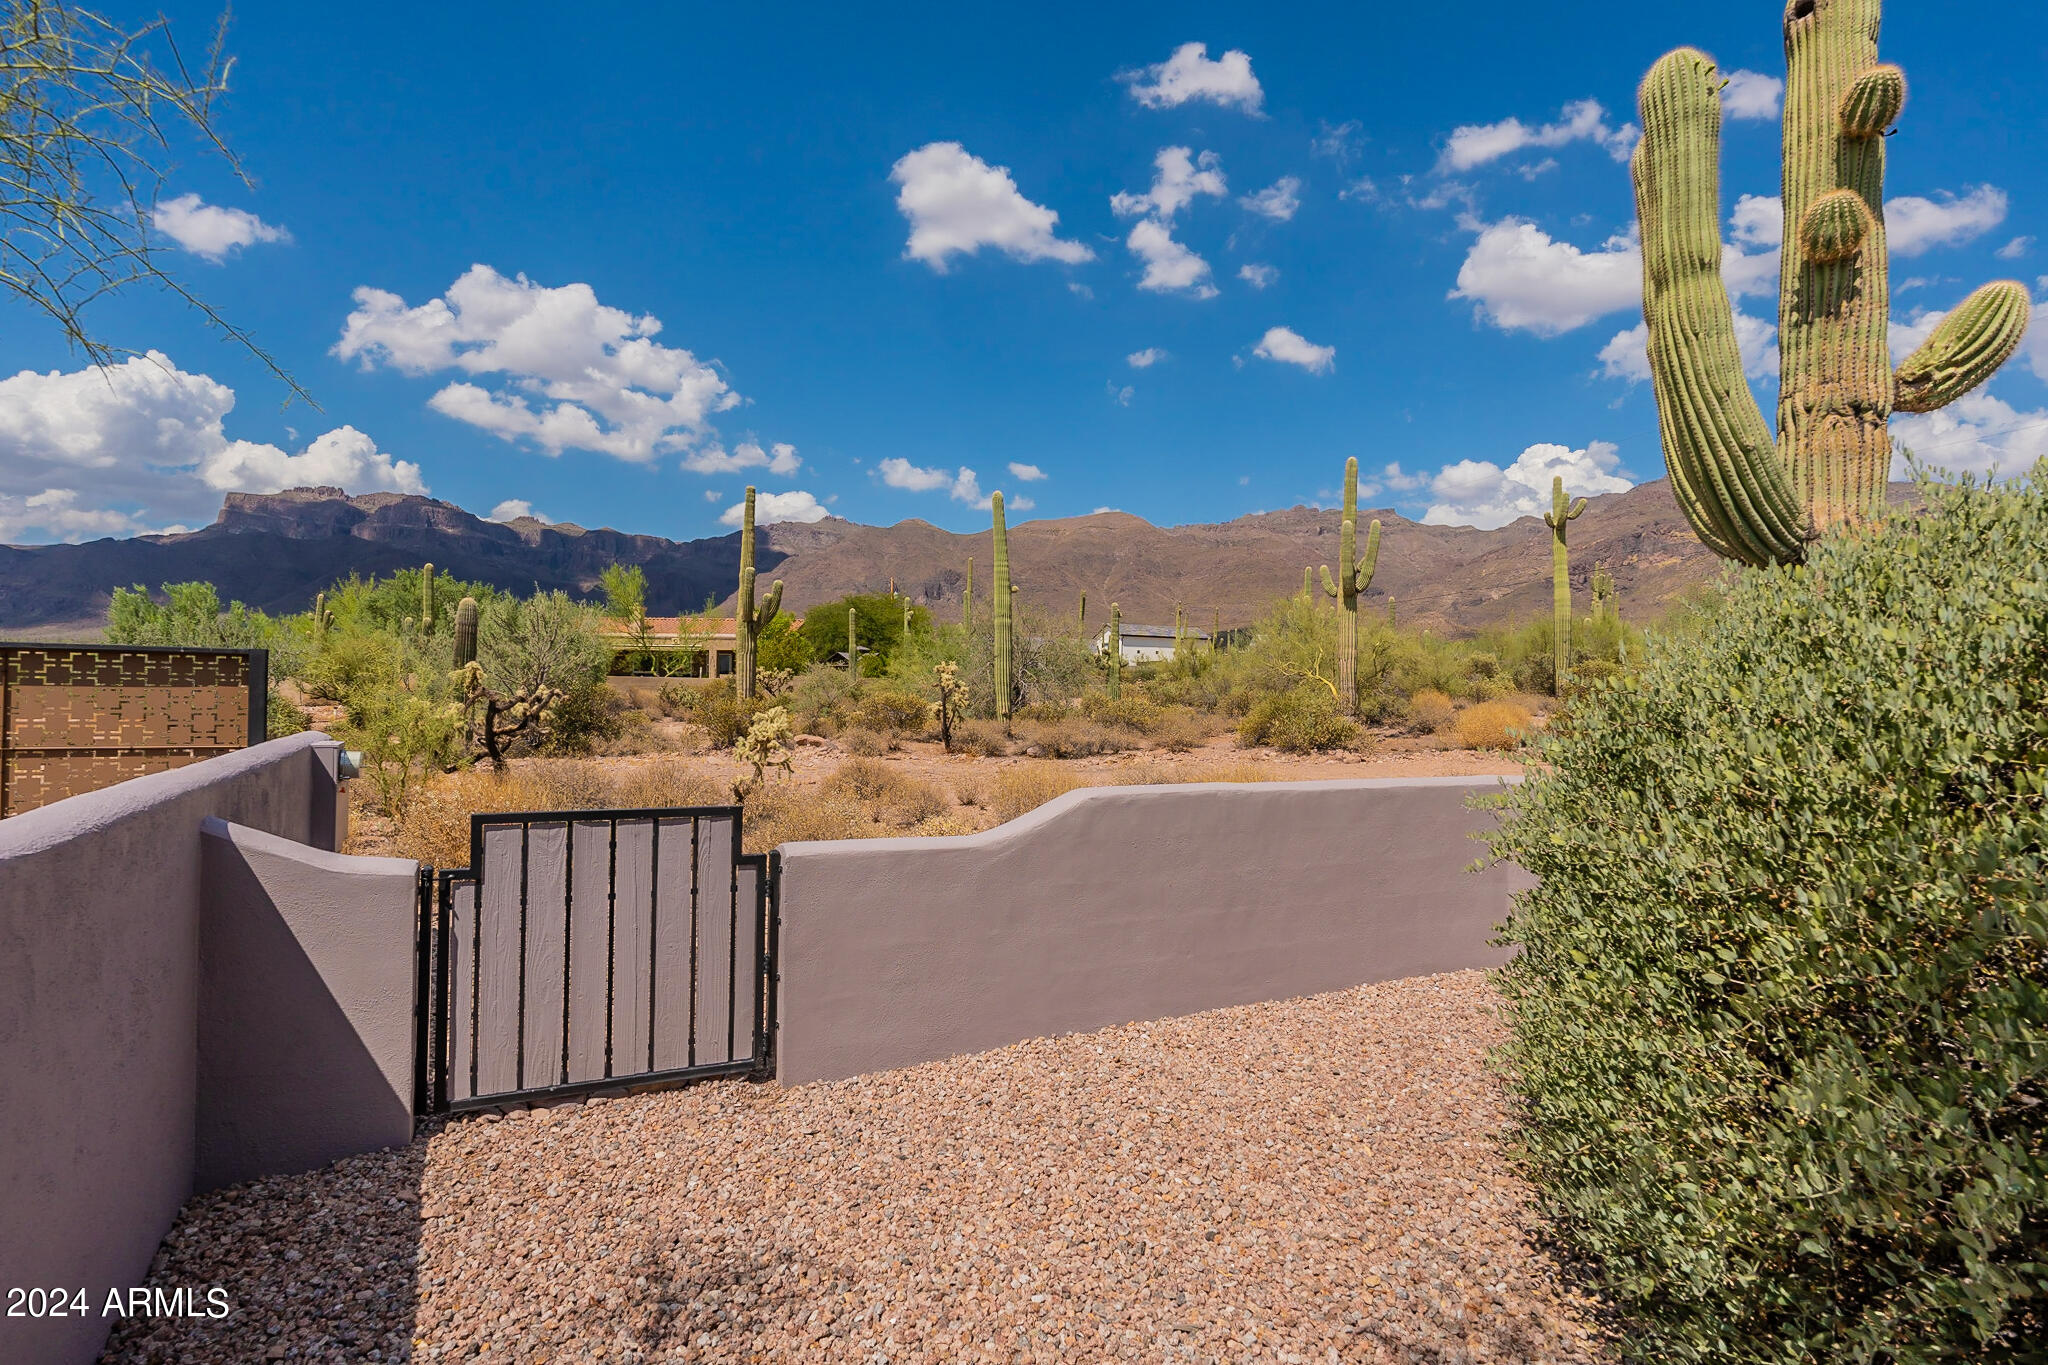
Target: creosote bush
{"type": "Point", "coordinates": [1492, 725]}
{"type": "Point", "coordinates": [1305, 720]}
{"type": "Point", "coordinates": [1781, 1006]}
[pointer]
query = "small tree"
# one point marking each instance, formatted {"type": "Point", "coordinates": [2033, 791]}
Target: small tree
{"type": "Point", "coordinates": [952, 698]}
{"type": "Point", "coordinates": [89, 104]}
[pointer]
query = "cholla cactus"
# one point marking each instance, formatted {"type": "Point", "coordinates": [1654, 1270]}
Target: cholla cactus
{"type": "Point", "coordinates": [1354, 576]}
{"type": "Point", "coordinates": [1748, 497]}
{"type": "Point", "coordinates": [765, 745]}
{"type": "Point", "coordinates": [748, 620]}
{"type": "Point", "coordinates": [952, 699]}
{"type": "Point", "coordinates": [999, 591]}
{"type": "Point", "coordinates": [465, 632]}
{"type": "Point", "coordinates": [1561, 513]}
{"type": "Point", "coordinates": [494, 720]}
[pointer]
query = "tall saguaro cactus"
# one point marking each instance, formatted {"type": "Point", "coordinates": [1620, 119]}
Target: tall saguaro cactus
{"type": "Point", "coordinates": [1561, 514]}
{"type": "Point", "coordinates": [323, 619]}
{"type": "Point", "coordinates": [852, 643]}
{"type": "Point", "coordinates": [967, 600]}
{"type": "Point", "coordinates": [748, 620]}
{"type": "Point", "coordinates": [427, 600]}
{"type": "Point", "coordinates": [1081, 617]}
{"type": "Point", "coordinates": [1114, 654]}
{"type": "Point", "coordinates": [999, 592]}
{"type": "Point", "coordinates": [1354, 576]}
{"type": "Point", "coordinates": [1749, 497]}
{"type": "Point", "coordinates": [465, 632]}
{"type": "Point", "coordinates": [1603, 593]}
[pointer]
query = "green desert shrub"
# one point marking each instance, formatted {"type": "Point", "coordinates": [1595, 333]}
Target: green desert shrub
{"type": "Point", "coordinates": [1130, 712]}
{"type": "Point", "coordinates": [1303, 721]}
{"type": "Point", "coordinates": [1781, 1004]}
{"type": "Point", "coordinates": [885, 709]}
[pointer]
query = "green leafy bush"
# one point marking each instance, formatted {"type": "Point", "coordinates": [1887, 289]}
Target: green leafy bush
{"type": "Point", "coordinates": [1303, 721]}
{"type": "Point", "coordinates": [1781, 1006]}
{"type": "Point", "coordinates": [884, 709]}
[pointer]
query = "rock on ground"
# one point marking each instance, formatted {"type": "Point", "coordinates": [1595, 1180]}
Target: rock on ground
{"type": "Point", "coordinates": [1307, 1181]}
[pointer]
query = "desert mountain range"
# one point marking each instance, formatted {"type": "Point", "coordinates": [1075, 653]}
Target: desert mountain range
{"type": "Point", "coordinates": [275, 551]}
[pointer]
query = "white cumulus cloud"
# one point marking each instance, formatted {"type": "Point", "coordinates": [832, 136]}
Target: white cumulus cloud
{"type": "Point", "coordinates": [2014, 249]}
{"type": "Point", "coordinates": [512, 509]}
{"type": "Point", "coordinates": [957, 204]}
{"type": "Point", "coordinates": [1475, 144]}
{"type": "Point", "coordinates": [1256, 275]}
{"type": "Point", "coordinates": [1976, 434]}
{"type": "Point", "coordinates": [1482, 494]}
{"type": "Point", "coordinates": [1145, 359]}
{"type": "Point", "coordinates": [1189, 75]}
{"type": "Point", "coordinates": [962, 486]}
{"type": "Point", "coordinates": [781, 458]}
{"type": "Point", "coordinates": [1289, 347]}
{"type": "Point", "coordinates": [1913, 224]}
{"type": "Point", "coordinates": [571, 372]}
{"type": "Point", "coordinates": [1170, 267]}
{"type": "Point", "coordinates": [1028, 473]}
{"type": "Point", "coordinates": [1277, 201]}
{"type": "Point", "coordinates": [1179, 178]}
{"type": "Point", "coordinates": [142, 444]}
{"type": "Point", "coordinates": [769, 508]}
{"type": "Point", "coordinates": [210, 231]}
{"type": "Point", "coordinates": [1752, 95]}
{"type": "Point", "coordinates": [1522, 278]}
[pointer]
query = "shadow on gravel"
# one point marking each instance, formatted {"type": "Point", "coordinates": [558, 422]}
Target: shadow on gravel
{"type": "Point", "coordinates": [317, 1267]}
{"type": "Point", "coordinates": [731, 1292]}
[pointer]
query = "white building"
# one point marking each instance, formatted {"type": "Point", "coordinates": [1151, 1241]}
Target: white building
{"type": "Point", "coordinates": [1148, 644]}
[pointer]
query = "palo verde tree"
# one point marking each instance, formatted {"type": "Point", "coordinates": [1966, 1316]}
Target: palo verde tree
{"type": "Point", "coordinates": [91, 111]}
{"type": "Point", "coordinates": [1749, 497]}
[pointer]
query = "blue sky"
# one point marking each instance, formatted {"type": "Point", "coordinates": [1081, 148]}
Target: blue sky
{"type": "Point", "coordinates": [884, 251]}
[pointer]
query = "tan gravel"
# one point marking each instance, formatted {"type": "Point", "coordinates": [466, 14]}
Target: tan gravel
{"type": "Point", "coordinates": [1309, 1181]}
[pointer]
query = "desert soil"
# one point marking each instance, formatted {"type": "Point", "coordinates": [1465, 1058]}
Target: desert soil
{"type": "Point", "coordinates": [1307, 1181]}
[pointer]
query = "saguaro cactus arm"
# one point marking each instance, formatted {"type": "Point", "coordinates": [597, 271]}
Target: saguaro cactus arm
{"type": "Point", "coordinates": [1723, 460]}
{"type": "Point", "coordinates": [1965, 348]}
{"type": "Point", "coordinates": [1747, 495]}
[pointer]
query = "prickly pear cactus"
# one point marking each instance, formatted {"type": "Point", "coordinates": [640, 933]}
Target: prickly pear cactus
{"type": "Point", "coordinates": [749, 620]}
{"type": "Point", "coordinates": [1561, 514]}
{"type": "Point", "coordinates": [1354, 576]}
{"type": "Point", "coordinates": [1750, 497]}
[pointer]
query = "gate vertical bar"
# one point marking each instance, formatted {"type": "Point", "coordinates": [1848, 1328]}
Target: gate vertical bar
{"type": "Point", "coordinates": [423, 1009]}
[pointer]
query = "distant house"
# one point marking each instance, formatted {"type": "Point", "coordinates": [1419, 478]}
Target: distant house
{"type": "Point", "coordinates": [711, 644]}
{"type": "Point", "coordinates": [1146, 644]}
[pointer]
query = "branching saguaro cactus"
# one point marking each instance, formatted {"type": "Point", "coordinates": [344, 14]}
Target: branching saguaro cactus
{"type": "Point", "coordinates": [1354, 576]}
{"type": "Point", "coordinates": [465, 632]}
{"type": "Point", "coordinates": [999, 592]}
{"type": "Point", "coordinates": [1113, 656]}
{"type": "Point", "coordinates": [1603, 593]}
{"type": "Point", "coordinates": [323, 619]}
{"type": "Point", "coordinates": [1561, 514]}
{"type": "Point", "coordinates": [748, 620]}
{"type": "Point", "coordinates": [1747, 496]}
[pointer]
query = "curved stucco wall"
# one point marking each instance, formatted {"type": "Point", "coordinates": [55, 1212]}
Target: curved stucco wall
{"type": "Point", "coordinates": [1119, 903]}
{"type": "Point", "coordinates": [100, 979]}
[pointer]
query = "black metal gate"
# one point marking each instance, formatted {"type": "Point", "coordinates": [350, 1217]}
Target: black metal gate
{"type": "Point", "coordinates": [588, 950]}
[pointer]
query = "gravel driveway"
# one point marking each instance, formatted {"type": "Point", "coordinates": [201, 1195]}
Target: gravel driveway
{"type": "Point", "coordinates": [1314, 1180]}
